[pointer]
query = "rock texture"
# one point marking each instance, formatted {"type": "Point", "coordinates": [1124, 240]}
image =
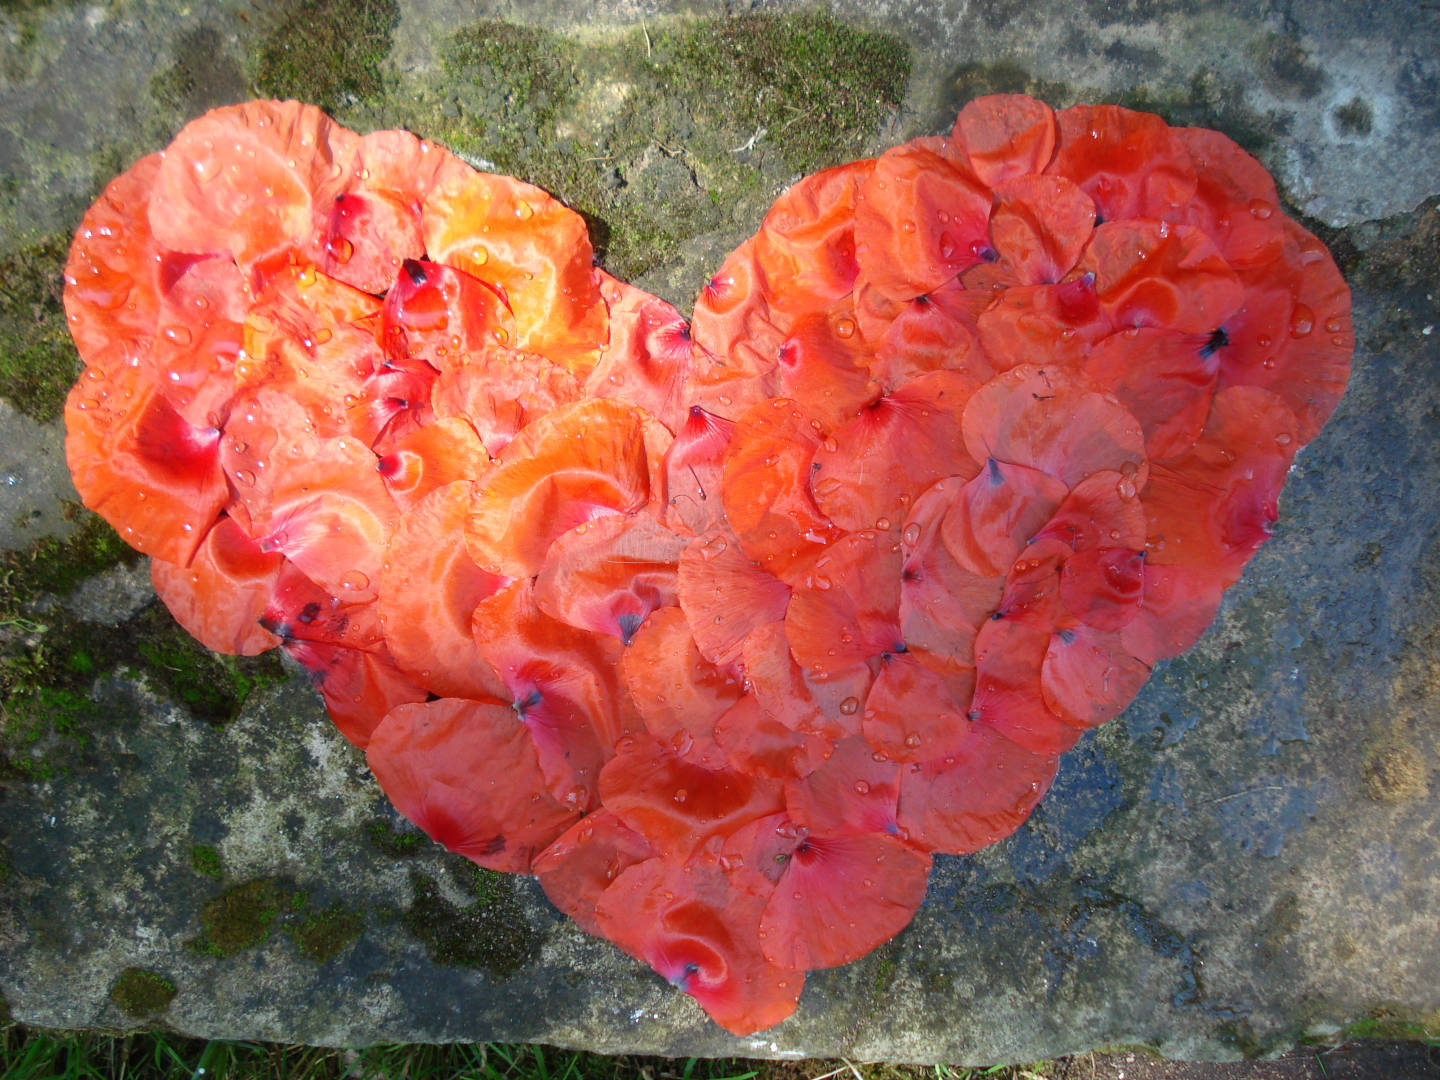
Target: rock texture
{"type": "Point", "coordinates": [1248, 856]}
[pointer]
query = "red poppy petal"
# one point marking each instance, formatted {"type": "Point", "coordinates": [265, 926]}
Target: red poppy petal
{"type": "Point", "coordinates": [679, 694]}
{"type": "Point", "coordinates": [583, 861]}
{"type": "Point", "coordinates": [1089, 676]}
{"type": "Point", "coordinates": [465, 772]}
{"type": "Point", "coordinates": [1004, 136]}
{"type": "Point", "coordinates": [847, 610]}
{"type": "Point", "coordinates": [1130, 163]}
{"type": "Point", "coordinates": [920, 219]}
{"type": "Point", "coordinates": [1008, 658]}
{"type": "Point", "coordinates": [1152, 273]}
{"type": "Point", "coordinates": [872, 468]}
{"type": "Point", "coordinates": [698, 932]}
{"type": "Point", "coordinates": [725, 595]}
{"type": "Point", "coordinates": [975, 797]}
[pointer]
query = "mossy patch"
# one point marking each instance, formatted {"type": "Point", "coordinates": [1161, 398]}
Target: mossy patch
{"type": "Point", "coordinates": [655, 136]}
{"type": "Point", "coordinates": [397, 841]}
{"type": "Point", "coordinates": [38, 363]}
{"type": "Point", "coordinates": [324, 935]}
{"type": "Point", "coordinates": [239, 918]}
{"type": "Point", "coordinates": [492, 933]}
{"type": "Point", "coordinates": [325, 52]}
{"type": "Point", "coordinates": [211, 686]}
{"type": "Point", "coordinates": [142, 993]}
{"type": "Point", "coordinates": [204, 859]}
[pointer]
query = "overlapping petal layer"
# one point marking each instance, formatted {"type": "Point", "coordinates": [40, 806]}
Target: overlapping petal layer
{"type": "Point", "coordinates": [721, 631]}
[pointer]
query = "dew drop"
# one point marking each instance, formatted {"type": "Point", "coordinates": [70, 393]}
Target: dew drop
{"type": "Point", "coordinates": [340, 249]}
{"type": "Point", "coordinates": [354, 580]}
{"type": "Point", "coordinates": [911, 535]}
{"type": "Point", "coordinates": [850, 706]}
{"type": "Point", "coordinates": [1260, 209]}
{"type": "Point", "coordinates": [845, 327]}
{"type": "Point", "coordinates": [1302, 321]}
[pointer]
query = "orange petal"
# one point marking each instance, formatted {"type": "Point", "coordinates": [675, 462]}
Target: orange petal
{"type": "Point", "coordinates": [767, 488]}
{"type": "Point", "coordinates": [920, 219]}
{"type": "Point", "coordinates": [563, 683]}
{"type": "Point", "coordinates": [916, 713]}
{"type": "Point", "coordinates": [580, 865]}
{"type": "Point", "coordinates": [648, 358]}
{"type": "Point", "coordinates": [1039, 227]}
{"type": "Point", "coordinates": [113, 282]}
{"type": "Point", "coordinates": [725, 595]}
{"type": "Point", "coordinates": [608, 575]}
{"type": "Point", "coordinates": [995, 515]}
{"type": "Point", "coordinates": [1102, 587]}
{"type": "Point", "coordinates": [873, 467]}
{"type": "Point", "coordinates": [359, 688]}
{"type": "Point", "coordinates": [1004, 136]}
{"type": "Point", "coordinates": [823, 362]}
{"type": "Point", "coordinates": [1053, 324]}
{"type": "Point", "coordinates": [430, 456]}
{"type": "Point", "coordinates": [756, 743]}
{"type": "Point", "coordinates": [679, 806]}
{"type": "Point", "coordinates": [1101, 511]}
{"type": "Point", "coordinates": [854, 791]}
{"type": "Point", "coordinates": [694, 469]}
{"type": "Point", "coordinates": [1089, 676]}
{"type": "Point", "coordinates": [942, 603]}
{"type": "Point", "coordinates": [1165, 378]}
{"type": "Point", "coordinates": [1151, 273]}
{"type": "Point", "coordinates": [679, 694]}
{"type": "Point", "coordinates": [465, 772]}
{"type": "Point", "coordinates": [533, 250]}
{"type": "Point", "coordinates": [846, 611]}
{"type": "Point", "coordinates": [835, 897]}
{"type": "Point", "coordinates": [499, 392]}
{"type": "Point", "coordinates": [138, 464]}
{"type": "Point", "coordinates": [1044, 418]}
{"type": "Point", "coordinates": [1008, 699]}
{"type": "Point", "coordinates": [1177, 603]}
{"type": "Point", "coordinates": [442, 316]}
{"type": "Point", "coordinates": [429, 589]}
{"type": "Point", "coordinates": [934, 331]}
{"type": "Point", "coordinates": [199, 336]}
{"type": "Point", "coordinates": [245, 180]}
{"type": "Point", "coordinates": [221, 595]}
{"type": "Point", "coordinates": [1235, 202]}
{"type": "Point", "coordinates": [1130, 163]}
{"type": "Point", "coordinates": [573, 465]}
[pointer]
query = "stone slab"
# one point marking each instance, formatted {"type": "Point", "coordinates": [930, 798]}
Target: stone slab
{"type": "Point", "coordinates": [1249, 856]}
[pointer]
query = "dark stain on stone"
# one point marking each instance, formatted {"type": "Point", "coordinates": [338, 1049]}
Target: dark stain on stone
{"type": "Point", "coordinates": [1287, 69]}
{"type": "Point", "coordinates": [492, 933]}
{"type": "Point", "coordinates": [204, 75]}
{"type": "Point", "coordinates": [1134, 57]}
{"type": "Point", "coordinates": [141, 993]}
{"type": "Point", "coordinates": [972, 80]}
{"type": "Point", "coordinates": [1275, 929]}
{"type": "Point", "coordinates": [1354, 118]}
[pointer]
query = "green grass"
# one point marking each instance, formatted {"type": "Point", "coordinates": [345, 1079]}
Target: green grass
{"type": "Point", "coordinates": [36, 1055]}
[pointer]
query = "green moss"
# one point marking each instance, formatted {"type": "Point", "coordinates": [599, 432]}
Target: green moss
{"type": "Point", "coordinates": [326, 52]}
{"type": "Point", "coordinates": [38, 363]}
{"type": "Point", "coordinates": [817, 86]}
{"type": "Point", "coordinates": [204, 859]}
{"type": "Point", "coordinates": [655, 136]}
{"type": "Point", "coordinates": [52, 566]}
{"type": "Point", "coordinates": [213, 687]}
{"type": "Point", "coordinates": [397, 842]}
{"type": "Point", "coordinates": [238, 918]}
{"type": "Point", "coordinates": [324, 936]}
{"type": "Point", "coordinates": [38, 721]}
{"type": "Point", "coordinates": [142, 993]}
{"type": "Point", "coordinates": [491, 933]}
{"type": "Point", "coordinates": [1395, 1022]}
{"type": "Point", "coordinates": [975, 79]}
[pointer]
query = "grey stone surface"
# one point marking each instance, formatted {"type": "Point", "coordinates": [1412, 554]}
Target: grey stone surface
{"type": "Point", "coordinates": [33, 479]}
{"type": "Point", "coordinates": [1249, 855]}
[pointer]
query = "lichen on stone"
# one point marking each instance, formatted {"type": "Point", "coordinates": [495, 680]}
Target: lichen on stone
{"type": "Point", "coordinates": [141, 993]}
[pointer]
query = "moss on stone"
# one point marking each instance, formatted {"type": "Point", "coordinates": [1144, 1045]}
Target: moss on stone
{"type": "Point", "coordinates": [492, 933]}
{"type": "Point", "coordinates": [204, 859]}
{"type": "Point", "coordinates": [395, 841]}
{"type": "Point", "coordinates": [239, 918]}
{"type": "Point", "coordinates": [656, 135]}
{"type": "Point", "coordinates": [325, 52]}
{"type": "Point", "coordinates": [213, 687]}
{"type": "Point", "coordinates": [142, 993]}
{"type": "Point", "coordinates": [38, 363]}
{"type": "Point", "coordinates": [324, 935]}
{"type": "Point", "coordinates": [53, 566]}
